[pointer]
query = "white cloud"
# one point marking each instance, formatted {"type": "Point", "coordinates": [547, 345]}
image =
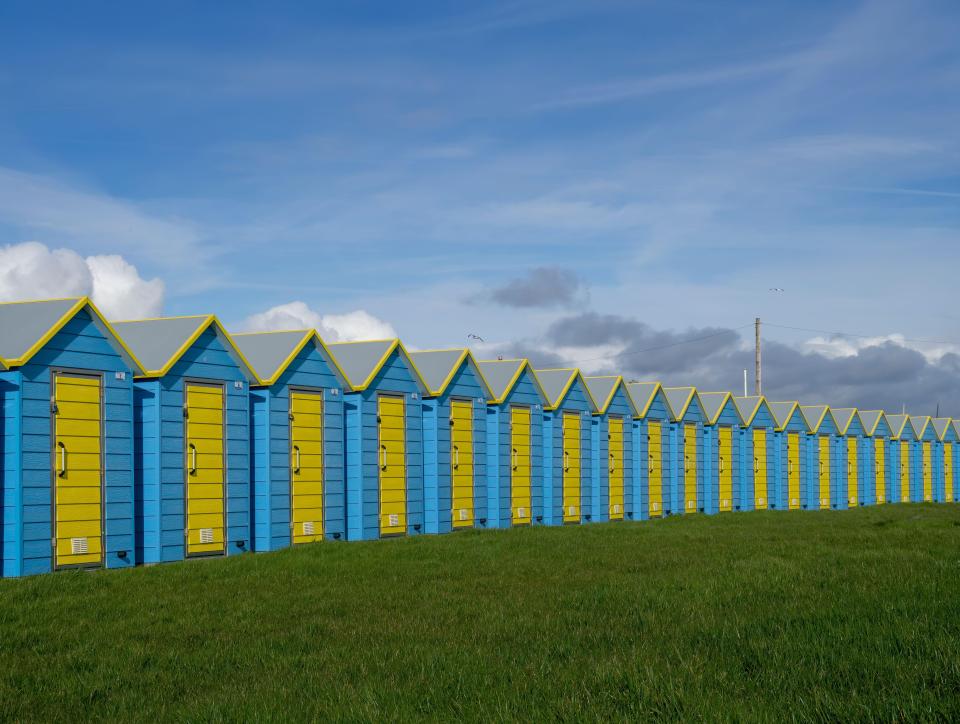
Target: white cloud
{"type": "Point", "coordinates": [836, 347]}
{"type": "Point", "coordinates": [33, 271]}
{"type": "Point", "coordinates": [350, 327]}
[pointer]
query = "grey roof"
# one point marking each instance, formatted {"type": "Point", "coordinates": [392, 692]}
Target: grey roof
{"type": "Point", "coordinates": [156, 341]}
{"type": "Point", "coordinates": [940, 425]}
{"type": "Point", "coordinates": [813, 413]}
{"type": "Point", "coordinates": [747, 406]}
{"type": "Point", "coordinates": [641, 393]}
{"type": "Point", "coordinates": [919, 424]}
{"type": "Point", "coordinates": [358, 360]}
{"type": "Point", "coordinates": [435, 366]}
{"type": "Point", "coordinates": [553, 383]}
{"type": "Point", "coordinates": [896, 422]}
{"type": "Point", "coordinates": [781, 412]}
{"type": "Point", "coordinates": [600, 388]}
{"type": "Point", "coordinates": [843, 416]}
{"type": "Point", "coordinates": [712, 403]}
{"type": "Point", "coordinates": [678, 396]}
{"type": "Point", "coordinates": [871, 418]}
{"type": "Point", "coordinates": [23, 324]}
{"type": "Point", "coordinates": [499, 374]}
{"type": "Point", "coordinates": [267, 351]}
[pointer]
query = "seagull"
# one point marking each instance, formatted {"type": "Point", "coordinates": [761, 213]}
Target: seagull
{"type": "Point", "coordinates": [476, 337]}
{"type": "Point", "coordinates": [777, 289]}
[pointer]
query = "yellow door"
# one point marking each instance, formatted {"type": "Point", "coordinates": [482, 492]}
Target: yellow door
{"type": "Point", "coordinates": [793, 471]}
{"type": "Point", "coordinates": [690, 468]}
{"type": "Point", "coordinates": [927, 473]}
{"type": "Point", "coordinates": [725, 469]}
{"type": "Point", "coordinates": [306, 467]}
{"type": "Point", "coordinates": [760, 469]}
{"type": "Point", "coordinates": [948, 472]}
{"type": "Point", "coordinates": [78, 478]}
{"type": "Point", "coordinates": [391, 416]}
{"type": "Point", "coordinates": [206, 489]}
{"type": "Point", "coordinates": [852, 476]}
{"type": "Point", "coordinates": [461, 463]}
{"type": "Point", "coordinates": [879, 470]}
{"type": "Point", "coordinates": [904, 472]}
{"type": "Point", "coordinates": [615, 443]}
{"type": "Point", "coordinates": [823, 472]}
{"type": "Point", "coordinates": [655, 469]}
{"type": "Point", "coordinates": [571, 467]}
{"type": "Point", "coordinates": [520, 497]}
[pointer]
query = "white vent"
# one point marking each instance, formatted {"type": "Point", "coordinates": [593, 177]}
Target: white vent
{"type": "Point", "coordinates": [464, 514]}
{"type": "Point", "coordinates": [616, 509]}
{"type": "Point", "coordinates": [572, 510]}
{"type": "Point", "coordinates": [794, 501]}
{"type": "Point", "coordinates": [823, 501]}
{"type": "Point", "coordinates": [656, 506]}
{"type": "Point", "coordinates": [206, 535]}
{"type": "Point", "coordinates": [308, 527]}
{"type": "Point", "coordinates": [725, 503]}
{"type": "Point", "coordinates": [690, 503]}
{"type": "Point", "coordinates": [79, 546]}
{"type": "Point", "coordinates": [394, 520]}
{"type": "Point", "coordinates": [761, 501]}
{"type": "Point", "coordinates": [521, 512]}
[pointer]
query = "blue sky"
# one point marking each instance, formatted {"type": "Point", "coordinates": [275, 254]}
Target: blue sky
{"type": "Point", "coordinates": [668, 163]}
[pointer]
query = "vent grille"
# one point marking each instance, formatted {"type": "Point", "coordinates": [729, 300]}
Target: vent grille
{"type": "Point", "coordinates": [394, 520]}
{"type": "Point", "coordinates": [521, 512]}
{"type": "Point", "coordinates": [79, 546]}
{"type": "Point", "coordinates": [308, 527]}
{"type": "Point", "coordinates": [464, 515]}
{"type": "Point", "coordinates": [206, 535]}
{"type": "Point", "coordinates": [572, 510]}
{"type": "Point", "coordinates": [616, 509]}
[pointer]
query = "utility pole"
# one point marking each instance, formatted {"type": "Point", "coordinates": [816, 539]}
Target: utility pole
{"type": "Point", "coordinates": [759, 386]}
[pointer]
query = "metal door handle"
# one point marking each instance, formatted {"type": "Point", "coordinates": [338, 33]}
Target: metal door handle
{"type": "Point", "coordinates": [722, 462]}
{"type": "Point", "coordinates": [515, 463]}
{"type": "Point", "coordinates": [789, 467]}
{"type": "Point", "coordinates": [63, 459]}
{"type": "Point", "coordinates": [756, 465]}
{"type": "Point", "coordinates": [193, 458]}
{"type": "Point", "coordinates": [651, 465]}
{"type": "Point", "coordinates": [821, 468]}
{"type": "Point", "coordinates": [383, 457]}
{"type": "Point", "coordinates": [613, 467]}
{"type": "Point", "coordinates": [296, 457]}
{"type": "Point", "coordinates": [686, 463]}
{"type": "Point", "coordinates": [456, 457]}
{"type": "Point", "coordinates": [566, 463]}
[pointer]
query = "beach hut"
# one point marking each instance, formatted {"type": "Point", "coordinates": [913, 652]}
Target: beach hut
{"type": "Point", "coordinates": [686, 430]}
{"type": "Point", "coordinates": [946, 453]}
{"type": "Point", "coordinates": [192, 415]}
{"type": "Point", "coordinates": [614, 442]}
{"type": "Point", "coordinates": [383, 432]}
{"type": "Point", "coordinates": [924, 446]}
{"type": "Point", "coordinates": [877, 457]}
{"type": "Point", "coordinates": [902, 457]}
{"type": "Point", "coordinates": [454, 439]}
{"type": "Point", "coordinates": [66, 383]}
{"type": "Point", "coordinates": [757, 473]}
{"type": "Point", "coordinates": [790, 456]}
{"type": "Point", "coordinates": [721, 456]}
{"type": "Point", "coordinates": [567, 420]}
{"type": "Point", "coordinates": [516, 446]}
{"type": "Point", "coordinates": [821, 457]}
{"type": "Point", "coordinates": [296, 439]}
{"type": "Point", "coordinates": [850, 438]}
{"type": "Point", "coordinates": [654, 416]}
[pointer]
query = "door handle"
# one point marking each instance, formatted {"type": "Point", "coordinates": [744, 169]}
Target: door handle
{"type": "Point", "coordinates": [651, 465]}
{"type": "Point", "coordinates": [613, 467]}
{"type": "Point", "coordinates": [722, 463]}
{"type": "Point", "coordinates": [456, 457]}
{"type": "Point", "coordinates": [383, 457]}
{"type": "Point", "coordinates": [296, 457]}
{"type": "Point", "coordinates": [756, 466]}
{"type": "Point", "coordinates": [789, 467]}
{"type": "Point", "coordinates": [193, 458]}
{"type": "Point", "coordinates": [566, 461]}
{"type": "Point", "coordinates": [63, 459]}
{"type": "Point", "coordinates": [821, 469]}
{"type": "Point", "coordinates": [515, 457]}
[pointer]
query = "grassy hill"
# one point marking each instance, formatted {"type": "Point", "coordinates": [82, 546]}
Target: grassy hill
{"type": "Point", "coordinates": [849, 615]}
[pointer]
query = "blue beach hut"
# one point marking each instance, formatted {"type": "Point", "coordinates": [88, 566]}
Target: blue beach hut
{"type": "Point", "coordinates": [384, 439]}
{"type": "Point", "coordinates": [924, 446]}
{"type": "Point", "coordinates": [454, 439]}
{"type": "Point", "coordinates": [653, 417]}
{"type": "Point", "coordinates": [850, 438]}
{"type": "Point", "coordinates": [757, 453]}
{"type": "Point", "coordinates": [947, 458]}
{"type": "Point", "coordinates": [192, 424]}
{"type": "Point", "coordinates": [822, 471]}
{"type": "Point", "coordinates": [721, 453]}
{"type": "Point", "coordinates": [878, 471]}
{"type": "Point", "coordinates": [66, 392]}
{"type": "Point", "coordinates": [614, 445]}
{"type": "Point", "coordinates": [296, 439]}
{"type": "Point", "coordinates": [686, 430]}
{"type": "Point", "coordinates": [790, 456]}
{"type": "Point", "coordinates": [902, 457]}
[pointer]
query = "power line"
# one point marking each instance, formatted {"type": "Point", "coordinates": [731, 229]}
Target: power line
{"type": "Point", "coordinates": [860, 336]}
{"type": "Point", "coordinates": [576, 363]}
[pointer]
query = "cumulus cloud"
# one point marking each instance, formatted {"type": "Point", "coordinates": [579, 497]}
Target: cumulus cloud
{"type": "Point", "coordinates": [350, 327]}
{"type": "Point", "coordinates": [31, 270]}
{"type": "Point", "coordinates": [539, 287]}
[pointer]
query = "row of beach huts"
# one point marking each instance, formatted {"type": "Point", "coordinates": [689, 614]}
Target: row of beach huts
{"type": "Point", "coordinates": [157, 440]}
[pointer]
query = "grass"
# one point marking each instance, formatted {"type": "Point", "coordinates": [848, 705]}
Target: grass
{"type": "Point", "coordinates": [798, 616]}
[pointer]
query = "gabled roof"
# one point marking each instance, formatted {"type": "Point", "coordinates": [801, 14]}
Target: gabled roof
{"type": "Point", "coordinates": [271, 353]}
{"type": "Point", "coordinates": [920, 424]}
{"type": "Point", "coordinates": [713, 404]}
{"type": "Point", "coordinates": [871, 420]}
{"type": "Point", "coordinates": [502, 376]}
{"type": "Point", "coordinates": [25, 327]}
{"type": "Point", "coordinates": [845, 417]}
{"type": "Point", "coordinates": [438, 367]}
{"type": "Point", "coordinates": [643, 394]}
{"type": "Point", "coordinates": [816, 414]}
{"type": "Point", "coordinates": [899, 424]}
{"type": "Point", "coordinates": [360, 362]}
{"type": "Point", "coordinates": [557, 383]}
{"type": "Point", "coordinates": [680, 399]}
{"type": "Point", "coordinates": [942, 426]}
{"type": "Point", "coordinates": [956, 427]}
{"type": "Point", "coordinates": [604, 388]}
{"type": "Point", "coordinates": [749, 406]}
{"type": "Point", "coordinates": [783, 411]}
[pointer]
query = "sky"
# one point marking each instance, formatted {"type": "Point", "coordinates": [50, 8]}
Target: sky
{"type": "Point", "coordinates": [619, 186]}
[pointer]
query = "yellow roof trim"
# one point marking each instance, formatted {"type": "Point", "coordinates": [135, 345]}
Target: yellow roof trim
{"type": "Point", "coordinates": [649, 403]}
{"type": "Point", "coordinates": [453, 371]}
{"type": "Point", "coordinates": [467, 356]}
{"type": "Point", "coordinates": [793, 409]}
{"type": "Point", "coordinates": [524, 364]}
{"type": "Point", "coordinates": [727, 396]}
{"type": "Point", "coordinates": [873, 430]}
{"type": "Point", "coordinates": [395, 344]}
{"type": "Point", "coordinates": [308, 335]}
{"type": "Point", "coordinates": [575, 373]}
{"type": "Point", "coordinates": [686, 405]}
{"type": "Point", "coordinates": [613, 391]}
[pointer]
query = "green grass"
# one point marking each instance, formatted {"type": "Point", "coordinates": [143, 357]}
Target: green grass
{"type": "Point", "coordinates": [803, 616]}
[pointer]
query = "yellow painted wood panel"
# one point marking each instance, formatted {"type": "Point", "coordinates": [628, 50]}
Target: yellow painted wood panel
{"type": "Point", "coordinates": [520, 465]}
{"type": "Point", "coordinates": [78, 470]}
{"type": "Point", "coordinates": [760, 469]}
{"type": "Point", "coordinates": [879, 470]}
{"type": "Point", "coordinates": [690, 464]}
{"type": "Point", "coordinates": [571, 467]}
{"type": "Point", "coordinates": [725, 469]}
{"type": "Point", "coordinates": [823, 472]}
{"type": "Point", "coordinates": [615, 444]}
{"type": "Point", "coordinates": [655, 469]}
{"type": "Point", "coordinates": [927, 472]}
{"type": "Point", "coordinates": [392, 464]}
{"type": "Point", "coordinates": [461, 463]}
{"type": "Point", "coordinates": [205, 479]}
{"type": "Point", "coordinates": [853, 477]}
{"type": "Point", "coordinates": [948, 471]}
{"type": "Point", "coordinates": [793, 471]}
{"type": "Point", "coordinates": [904, 472]}
{"type": "Point", "coordinates": [306, 467]}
